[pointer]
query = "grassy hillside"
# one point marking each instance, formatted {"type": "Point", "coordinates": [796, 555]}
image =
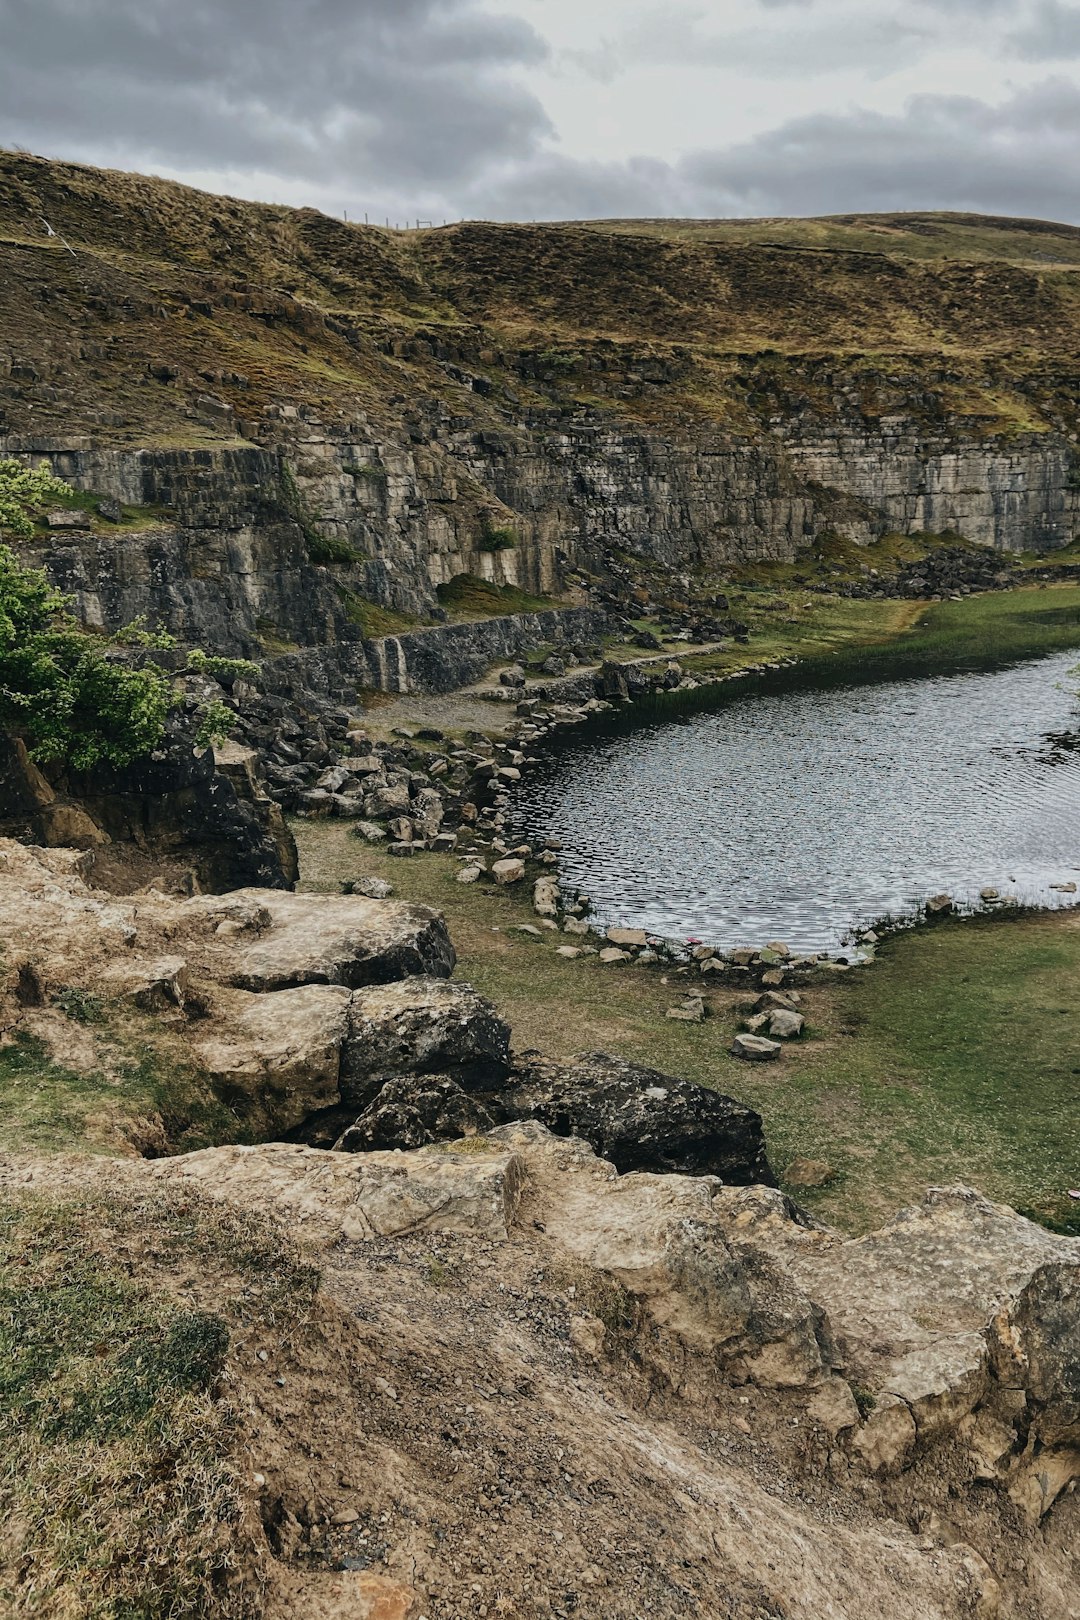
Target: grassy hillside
{"type": "Point", "coordinates": [152, 294]}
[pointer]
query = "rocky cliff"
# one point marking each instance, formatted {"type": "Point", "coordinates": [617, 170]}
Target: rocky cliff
{"type": "Point", "coordinates": [302, 417]}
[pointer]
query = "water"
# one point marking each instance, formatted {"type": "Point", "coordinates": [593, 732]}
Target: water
{"type": "Point", "coordinates": [800, 815]}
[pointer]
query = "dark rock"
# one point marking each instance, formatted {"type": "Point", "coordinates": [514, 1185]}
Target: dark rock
{"type": "Point", "coordinates": [413, 1111]}
{"type": "Point", "coordinates": [422, 1026]}
{"type": "Point", "coordinates": [638, 1118]}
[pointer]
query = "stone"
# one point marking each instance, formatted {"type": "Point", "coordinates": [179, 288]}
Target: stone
{"type": "Point", "coordinates": [638, 1118]}
{"type": "Point", "coordinates": [779, 949]}
{"type": "Point", "coordinates": [570, 952]}
{"type": "Point", "coordinates": [690, 1011]}
{"type": "Point", "coordinates": [774, 977]}
{"type": "Point", "coordinates": [413, 1111]}
{"type": "Point", "coordinates": [403, 850]}
{"type": "Point", "coordinates": [546, 897]}
{"type": "Point", "coordinates": [1064, 888]}
{"type": "Point", "coordinates": [613, 955]}
{"type": "Point", "coordinates": [422, 1026]}
{"type": "Point", "coordinates": [626, 937]}
{"type": "Point", "coordinates": [512, 677]}
{"type": "Point", "coordinates": [755, 1048]}
{"type": "Point", "coordinates": [777, 998]}
{"type": "Point", "coordinates": [325, 1197]}
{"type": "Point", "coordinates": [508, 871]}
{"type": "Point", "coordinates": [785, 1025]}
{"type": "Point", "coordinates": [387, 801]}
{"type": "Point", "coordinates": [68, 519]}
{"type": "Point", "coordinates": [401, 830]}
{"type": "Point", "coordinates": [370, 831]}
{"type": "Point", "coordinates": [576, 925]}
{"type": "Point", "coordinates": [373, 888]}
{"type": "Point", "coordinates": [833, 1407]}
{"type": "Point", "coordinates": [743, 957]}
{"type": "Point", "coordinates": [337, 939]}
{"type": "Point", "coordinates": [939, 905]}
{"type": "Point", "coordinates": [276, 1057]}
{"type": "Point", "coordinates": [989, 894]}
{"type": "Point", "coordinates": [153, 986]}
{"type": "Point", "coordinates": [470, 874]}
{"type": "Point", "coordinates": [808, 1173]}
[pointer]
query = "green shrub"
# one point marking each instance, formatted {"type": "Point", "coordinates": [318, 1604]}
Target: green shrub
{"type": "Point", "coordinates": [497, 539]}
{"type": "Point", "coordinates": [22, 489]}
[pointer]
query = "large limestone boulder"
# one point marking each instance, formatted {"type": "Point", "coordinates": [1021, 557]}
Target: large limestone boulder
{"type": "Point", "coordinates": [328, 1196]}
{"type": "Point", "coordinates": [338, 939]}
{"type": "Point", "coordinates": [276, 1058]}
{"type": "Point", "coordinates": [638, 1118]}
{"type": "Point", "coordinates": [422, 1026]}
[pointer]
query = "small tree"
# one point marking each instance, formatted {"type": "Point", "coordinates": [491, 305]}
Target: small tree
{"type": "Point", "coordinates": [21, 490]}
{"type": "Point", "coordinates": [71, 695]}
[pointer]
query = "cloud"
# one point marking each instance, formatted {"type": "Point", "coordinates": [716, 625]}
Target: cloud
{"type": "Point", "coordinates": [1051, 34]}
{"type": "Point", "coordinates": [1020, 157]}
{"type": "Point", "coordinates": [403, 91]}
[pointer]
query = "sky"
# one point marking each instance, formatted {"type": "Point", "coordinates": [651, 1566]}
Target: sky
{"type": "Point", "coordinates": [562, 109]}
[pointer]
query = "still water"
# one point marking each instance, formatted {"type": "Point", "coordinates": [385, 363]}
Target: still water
{"type": "Point", "coordinates": [800, 815]}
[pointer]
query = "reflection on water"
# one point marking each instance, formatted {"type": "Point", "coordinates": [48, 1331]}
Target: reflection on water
{"type": "Point", "coordinates": [797, 815]}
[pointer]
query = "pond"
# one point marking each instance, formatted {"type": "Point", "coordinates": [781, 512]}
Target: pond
{"type": "Point", "coordinates": [801, 815]}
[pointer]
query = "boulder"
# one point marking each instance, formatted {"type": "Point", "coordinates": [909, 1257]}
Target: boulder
{"type": "Point", "coordinates": [808, 1173]}
{"type": "Point", "coordinates": [613, 954]}
{"type": "Point", "coordinates": [413, 1111]}
{"type": "Point", "coordinates": [276, 1058]}
{"type": "Point", "coordinates": [785, 1024]}
{"type": "Point", "coordinates": [546, 897]}
{"type": "Point", "coordinates": [422, 1026]}
{"type": "Point", "coordinates": [338, 939]}
{"type": "Point", "coordinates": [755, 1048]}
{"type": "Point", "coordinates": [638, 1118]}
{"type": "Point", "coordinates": [624, 937]}
{"type": "Point", "coordinates": [387, 801]}
{"type": "Point", "coordinates": [511, 870]}
{"type": "Point", "coordinates": [325, 1197]}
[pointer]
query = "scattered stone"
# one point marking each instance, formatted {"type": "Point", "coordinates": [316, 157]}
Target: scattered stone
{"type": "Point", "coordinates": [402, 849]}
{"type": "Point", "coordinates": [774, 977]}
{"type": "Point", "coordinates": [779, 949]}
{"type": "Point", "coordinates": [939, 905]}
{"type": "Point", "coordinates": [690, 1011]}
{"type": "Point", "coordinates": [371, 831]}
{"type": "Point", "coordinates": [575, 925]}
{"type": "Point", "coordinates": [1064, 888]}
{"type": "Point", "coordinates": [508, 871]}
{"type": "Point", "coordinates": [785, 1025]}
{"type": "Point", "coordinates": [613, 954]}
{"type": "Point", "coordinates": [570, 952]}
{"type": "Point", "coordinates": [528, 928]}
{"type": "Point", "coordinates": [755, 1048]}
{"type": "Point", "coordinates": [546, 897]}
{"type": "Point", "coordinates": [626, 936]}
{"type": "Point", "coordinates": [470, 874]}
{"type": "Point", "coordinates": [989, 894]}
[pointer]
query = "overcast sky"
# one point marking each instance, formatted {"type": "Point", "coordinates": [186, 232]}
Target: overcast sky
{"type": "Point", "coordinates": [560, 109]}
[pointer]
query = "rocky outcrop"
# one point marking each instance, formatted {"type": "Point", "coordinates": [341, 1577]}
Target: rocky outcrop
{"type": "Point", "coordinates": [423, 1026]}
{"type": "Point", "coordinates": [638, 1118]}
{"type": "Point", "coordinates": [413, 1112]}
{"type": "Point", "coordinates": [177, 807]}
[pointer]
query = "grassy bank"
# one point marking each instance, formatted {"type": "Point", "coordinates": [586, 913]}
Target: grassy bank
{"type": "Point", "coordinates": [956, 1057]}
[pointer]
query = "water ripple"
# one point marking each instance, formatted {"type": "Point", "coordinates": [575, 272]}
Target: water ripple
{"type": "Point", "coordinates": [797, 815]}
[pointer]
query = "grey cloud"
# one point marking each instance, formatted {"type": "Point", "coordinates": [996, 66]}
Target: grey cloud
{"type": "Point", "coordinates": [323, 89]}
{"type": "Point", "coordinates": [949, 152]}
{"type": "Point", "coordinates": [1052, 34]}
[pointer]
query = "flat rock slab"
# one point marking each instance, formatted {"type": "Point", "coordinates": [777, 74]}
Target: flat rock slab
{"type": "Point", "coordinates": [338, 939]}
{"type": "Point", "coordinates": [422, 1025]}
{"type": "Point", "coordinates": [276, 1057]}
{"type": "Point", "coordinates": [327, 1196]}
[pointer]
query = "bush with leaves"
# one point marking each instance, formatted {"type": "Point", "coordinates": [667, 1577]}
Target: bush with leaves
{"type": "Point", "coordinates": [22, 489]}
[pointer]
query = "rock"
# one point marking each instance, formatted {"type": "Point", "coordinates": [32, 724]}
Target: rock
{"type": "Point", "coordinates": [513, 677]}
{"type": "Point", "coordinates": [276, 1057]}
{"type": "Point", "coordinates": [989, 894]}
{"type": "Point", "coordinates": [68, 519]}
{"type": "Point", "coordinates": [154, 986]}
{"type": "Point", "coordinates": [779, 950]}
{"type": "Point", "coordinates": [638, 1118]}
{"type": "Point", "coordinates": [808, 1173]}
{"type": "Point", "coordinates": [470, 874]}
{"type": "Point", "coordinates": [776, 998]}
{"type": "Point", "coordinates": [774, 976]}
{"type": "Point", "coordinates": [625, 937]}
{"type": "Point", "coordinates": [785, 1025]}
{"type": "Point", "coordinates": [1064, 888]}
{"type": "Point", "coordinates": [755, 1048]}
{"type": "Point", "coordinates": [613, 954]}
{"type": "Point", "coordinates": [546, 897]}
{"type": "Point", "coordinates": [422, 1026]}
{"type": "Point", "coordinates": [110, 509]}
{"type": "Point", "coordinates": [338, 939]}
{"type": "Point", "coordinates": [387, 801]}
{"type": "Point", "coordinates": [690, 1011]}
{"type": "Point", "coordinates": [570, 952]}
{"type": "Point", "coordinates": [370, 831]}
{"type": "Point", "coordinates": [413, 1111]}
{"type": "Point", "coordinates": [329, 1196]}
{"type": "Point", "coordinates": [403, 850]}
{"type": "Point", "coordinates": [508, 871]}
{"type": "Point", "coordinates": [576, 925]}
{"type": "Point", "coordinates": [743, 957]}
{"type": "Point", "coordinates": [833, 1407]}
{"type": "Point", "coordinates": [939, 905]}
{"type": "Point", "coordinates": [373, 888]}
{"type": "Point", "coordinates": [62, 825]}
{"type": "Point", "coordinates": [757, 1022]}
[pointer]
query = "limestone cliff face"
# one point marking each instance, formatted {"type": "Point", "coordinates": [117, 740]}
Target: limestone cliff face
{"type": "Point", "coordinates": [232, 565]}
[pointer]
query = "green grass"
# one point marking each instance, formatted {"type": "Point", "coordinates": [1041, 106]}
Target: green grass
{"type": "Point", "coordinates": [467, 597]}
{"type": "Point", "coordinates": [141, 1094]}
{"type": "Point", "coordinates": [132, 518]}
{"type": "Point", "coordinates": [119, 1493]}
{"type": "Point", "coordinates": [373, 618]}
